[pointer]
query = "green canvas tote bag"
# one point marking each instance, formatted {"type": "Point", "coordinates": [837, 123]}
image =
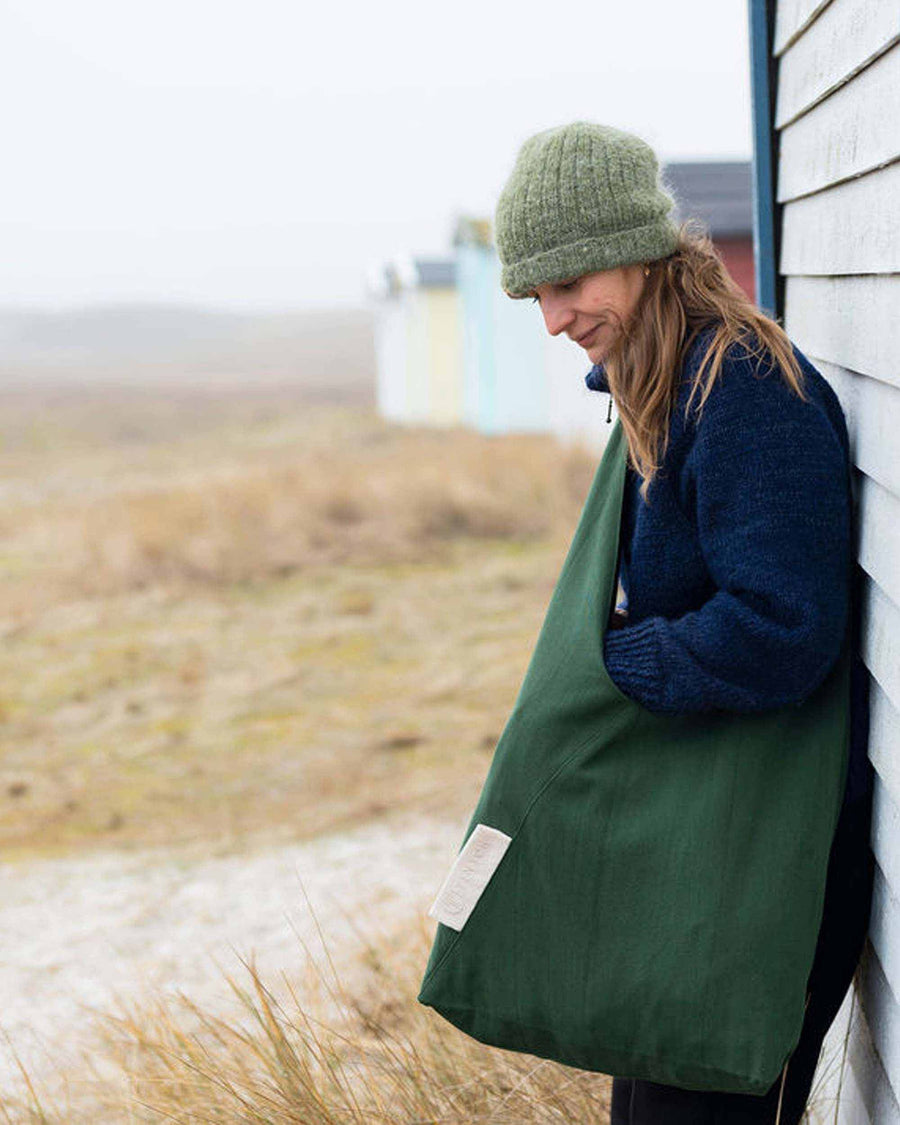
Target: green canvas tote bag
{"type": "Point", "coordinates": [639, 893]}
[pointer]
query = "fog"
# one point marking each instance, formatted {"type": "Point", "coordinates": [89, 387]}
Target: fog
{"type": "Point", "coordinates": [261, 156]}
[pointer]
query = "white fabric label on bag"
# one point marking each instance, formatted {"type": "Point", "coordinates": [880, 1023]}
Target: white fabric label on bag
{"type": "Point", "coordinates": [469, 875]}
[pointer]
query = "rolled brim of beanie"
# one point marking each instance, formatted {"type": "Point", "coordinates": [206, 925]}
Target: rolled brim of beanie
{"type": "Point", "coordinates": [586, 255]}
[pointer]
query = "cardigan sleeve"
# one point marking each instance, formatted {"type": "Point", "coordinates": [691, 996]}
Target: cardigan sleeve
{"type": "Point", "coordinates": [771, 487]}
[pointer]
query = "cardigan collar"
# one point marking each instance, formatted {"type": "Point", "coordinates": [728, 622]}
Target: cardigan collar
{"type": "Point", "coordinates": [596, 378]}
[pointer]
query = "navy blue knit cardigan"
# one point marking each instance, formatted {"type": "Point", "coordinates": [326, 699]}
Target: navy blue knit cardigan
{"type": "Point", "coordinates": [739, 569]}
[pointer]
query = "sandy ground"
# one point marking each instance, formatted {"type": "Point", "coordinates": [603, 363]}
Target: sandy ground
{"type": "Point", "coordinates": [77, 933]}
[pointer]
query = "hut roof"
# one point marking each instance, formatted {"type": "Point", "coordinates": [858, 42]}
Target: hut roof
{"type": "Point", "coordinates": [717, 192]}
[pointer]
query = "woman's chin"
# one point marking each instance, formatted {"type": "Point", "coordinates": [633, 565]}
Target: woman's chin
{"type": "Point", "coordinates": [596, 353]}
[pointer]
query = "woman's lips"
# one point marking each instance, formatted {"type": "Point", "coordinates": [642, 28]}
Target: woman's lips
{"type": "Point", "coordinates": [586, 338]}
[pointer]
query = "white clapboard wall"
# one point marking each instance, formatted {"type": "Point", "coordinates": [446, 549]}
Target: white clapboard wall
{"type": "Point", "coordinates": [837, 118]}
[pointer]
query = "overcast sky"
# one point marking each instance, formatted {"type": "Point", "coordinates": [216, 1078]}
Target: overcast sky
{"type": "Point", "coordinates": [261, 153]}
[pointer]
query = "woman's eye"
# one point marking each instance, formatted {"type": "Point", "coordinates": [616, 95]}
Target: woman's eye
{"type": "Point", "coordinates": [565, 285]}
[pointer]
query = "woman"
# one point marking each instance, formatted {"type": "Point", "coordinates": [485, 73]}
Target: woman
{"type": "Point", "coordinates": [737, 540]}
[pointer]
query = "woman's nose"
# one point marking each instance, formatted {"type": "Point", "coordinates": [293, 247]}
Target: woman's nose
{"type": "Point", "coordinates": [557, 316]}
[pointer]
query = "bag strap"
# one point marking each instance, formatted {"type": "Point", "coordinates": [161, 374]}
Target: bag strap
{"type": "Point", "coordinates": [781, 1091]}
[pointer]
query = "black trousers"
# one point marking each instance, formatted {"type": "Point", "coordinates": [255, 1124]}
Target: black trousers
{"type": "Point", "coordinates": [845, 920]}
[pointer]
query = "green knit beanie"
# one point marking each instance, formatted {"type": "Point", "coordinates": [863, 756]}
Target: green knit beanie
{"type": "Point", "coordinates": [581, 197]}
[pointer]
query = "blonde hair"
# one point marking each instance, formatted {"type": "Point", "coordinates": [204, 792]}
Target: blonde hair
{"type": "Point", "coordinates": [684, 294]}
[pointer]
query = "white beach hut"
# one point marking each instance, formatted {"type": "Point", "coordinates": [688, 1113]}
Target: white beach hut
{"type": "Point", "coordinates": [418, 346]}
{"type": "Point", "coordinates": [826, 92]}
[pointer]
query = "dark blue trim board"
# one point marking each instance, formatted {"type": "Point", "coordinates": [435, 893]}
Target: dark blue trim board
{"type": "Point", "coordinates": [762, 83]}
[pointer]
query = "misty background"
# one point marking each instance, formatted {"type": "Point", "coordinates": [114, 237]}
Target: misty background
{"type": "Point", "coordinates": [195, 190]}
{"type": "Point", "coordinates": [252, 627]}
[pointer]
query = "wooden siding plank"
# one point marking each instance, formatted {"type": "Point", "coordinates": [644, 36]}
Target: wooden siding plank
{"type": "Point", "coordinates": [880, 639]}
{"type": "Point", "coordinates": [792, 17]}
{"type": "Point", "coordinates": [882, 1014]}
{"type": "Point", "coordinates": [852, 132]}
{"type": "Point", "coordinates": [848, 229]}
{"type": "Point", "coordinates": [884, 738]}
{"type": "Point", "coordinates": [852, 1108]}
{"type": "Point", "coordinates": [883, 921]}
{"type": "Point", "coordinates": [850, 321]}
{"type": "Point", "coordinates": [868, 1072]}
{"type": "Point", "coordinates": [872, 411]}
{"type": "Point", "coordinates": [878, 514]}
{"type": "Point", "coordinates": [846, 36]}
{"type": "Point", "coordinates": [885, 912]}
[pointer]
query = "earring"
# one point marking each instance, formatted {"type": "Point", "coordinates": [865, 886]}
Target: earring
{"type": "Point", "coordinates": [646, 271]}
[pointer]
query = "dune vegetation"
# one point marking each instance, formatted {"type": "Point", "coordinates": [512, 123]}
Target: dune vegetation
{"type": "Point", "coordinates": [240, 617]}
{"type": "Point", "coordinates": [235, 619]}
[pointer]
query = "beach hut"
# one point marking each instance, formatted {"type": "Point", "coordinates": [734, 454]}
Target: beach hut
{"type": "Point", "coordinates": [517, 377]}
{"type": "Point", "coordinates": [505, 379]}
{"type": "Point", "coordinates": [418, 344]}
{"type": "Point", "coordinates": [720, 194]}
{"type": "Point", "coordinates": [826, 88]}
{"type": "Point", "coordinates": [385, 289]}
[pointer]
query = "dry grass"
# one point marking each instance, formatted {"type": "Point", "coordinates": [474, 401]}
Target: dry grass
{"type": "Point", "coordinates": [347, 1044]}
{"type": "Point", "coordinates": [219, 608]}
{"type": "Point", "coordinates": [135, 494]}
